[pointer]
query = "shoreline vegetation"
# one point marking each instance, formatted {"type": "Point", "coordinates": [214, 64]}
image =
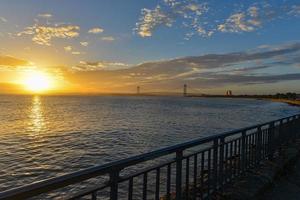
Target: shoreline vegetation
{"type": "Point", "coordinates": [289, 98]}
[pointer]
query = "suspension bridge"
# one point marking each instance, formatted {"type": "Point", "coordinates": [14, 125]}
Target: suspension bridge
{"type": "Point", "coordinates": [185, 90]}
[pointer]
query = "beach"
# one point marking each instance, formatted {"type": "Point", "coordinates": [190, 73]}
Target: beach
{"type": "Point", "coordinates": [290, 102]}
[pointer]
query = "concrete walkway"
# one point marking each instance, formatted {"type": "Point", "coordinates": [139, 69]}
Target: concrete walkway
{"type": "Point", "coordinates": [287, 186]}
{"type": "Point", "coordinates": [278, 179]}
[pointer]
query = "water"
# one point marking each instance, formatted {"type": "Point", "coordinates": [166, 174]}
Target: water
{"type": "Point", "coordinates": [47, 136]}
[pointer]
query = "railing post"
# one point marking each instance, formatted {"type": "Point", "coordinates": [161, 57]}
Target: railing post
{"type": "Point", "coordinates": [281, 136]}
{"type": "Point", "coordinates": [258, 145]}
{"type": "Point", "coordinates": [215, 163]}
{"type": "Point", "coordinates": [290, 131]}
{"type": "Point", "coordinates": [284, 132]}
{"type": "Point", "coordinates": [271, 140]}
{"type": "Point", "coordinates": [294, 129]}
{"type": "Point", "coordinates": [114, 179]}
{"type": "Point", "coordinates": [297, 126]}
{"type": "Point", "coordinates": [221, 162]}
{"type": "Point", "coordinates": [243, 156]}
{"type": "Point", "coordinates": [179, 156]}
{"type": "Point", "coordinates": [94, 195]}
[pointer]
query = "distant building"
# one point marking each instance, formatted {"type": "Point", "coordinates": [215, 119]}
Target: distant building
{"type": "Point", "coordinates": [228, 93]}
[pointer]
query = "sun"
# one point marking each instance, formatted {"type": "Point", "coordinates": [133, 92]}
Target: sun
{"type": "Point", "coordinates": [37, 82]}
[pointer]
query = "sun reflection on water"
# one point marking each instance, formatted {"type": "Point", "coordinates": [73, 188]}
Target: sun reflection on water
{"type": "Point", "coordinates": [36, 115]}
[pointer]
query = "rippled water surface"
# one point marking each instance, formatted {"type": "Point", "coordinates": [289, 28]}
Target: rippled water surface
{"type": "Point", "coordinates": [46, 136]}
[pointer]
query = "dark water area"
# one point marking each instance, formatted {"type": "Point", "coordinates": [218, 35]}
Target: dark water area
{"type": "Point", "coordinates": [47, 136]}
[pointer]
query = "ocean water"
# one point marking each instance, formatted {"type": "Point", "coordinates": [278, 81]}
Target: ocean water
{"type": "Point", "coordinates": [47, 136]}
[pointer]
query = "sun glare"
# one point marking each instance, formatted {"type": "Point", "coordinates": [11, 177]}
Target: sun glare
{"type": "Point", "coordinates": [37, 82]}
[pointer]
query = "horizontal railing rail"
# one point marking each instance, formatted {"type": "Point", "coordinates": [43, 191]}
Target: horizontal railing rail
{"type": "Point", "coordinates": [196, 173]}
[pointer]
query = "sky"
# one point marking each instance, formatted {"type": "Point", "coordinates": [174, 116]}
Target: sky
{"type": "Point", "coordinates": [113, 46]}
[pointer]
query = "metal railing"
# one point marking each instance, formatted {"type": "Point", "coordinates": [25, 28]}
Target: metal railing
{"type": "Point", "coordinates": [191, 170]}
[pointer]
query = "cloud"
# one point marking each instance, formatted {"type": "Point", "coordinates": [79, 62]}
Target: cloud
{"type": "Point", "coordinates": [71, 50]}
{"type": "Point", "coordinates": [208, 62]}
{"type": "Point", "coordinates": [247, 21]}
{"type": "Point", "coordinates": [45, 15]}
{"type": "Point", "coordinates": [242, 70]}
{"type": "Point", "coordinates": [9, 61]}
{"type": "Point", "coordinates": [96, 30]}
{"type": "Point", "coordinates": [206, 71]}
{"type": "Point", "coordinates": [253, 11]}
{"type": "Point", "coordinates": [68, 48]}
{"type": "Point", "coordinates": [264, 46]}
{"type": "Point", "coordinates": [189, 14]}
{"type": "Point", "coordinates": [295, 10]}
{"type": "Point", "coordinates": [2, 19]}
{"type": "Point", "coordinates": [193, 7]}
{"type": "Point", "coordinates": [11, 88]}
{"type": "Point", "coordinates": [213, 61]}
{"type": "Point", "coordinates": [151, 19]}
{"type": "Point", "coordinates": [170, 11]}
{"type": "Point", "coordinates": [76, 53]}
{"type": "Point", "coordinates": [43, 35]}
{"type": "Point", "coordinates": [99, 65]}
{"type": "Point", "coordinates": [108, 38]}
{"type": "Point", "coordinates": [215, 80]}
{"type": "Point", "coordinates": [238, 23]}
{"type": "Point", "coordinates": [201, 31]}
{"type": "Point", "coordinates": [85, 44]}
{"type": "Point", "coordinates": [204, 18]}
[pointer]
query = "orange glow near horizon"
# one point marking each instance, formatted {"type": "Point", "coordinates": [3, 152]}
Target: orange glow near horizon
{"type": "Point", "coordinates": [37, 82]}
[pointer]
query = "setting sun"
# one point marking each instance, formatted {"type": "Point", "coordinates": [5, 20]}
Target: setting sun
{"type": "Point", "coordinates": [38, 82]}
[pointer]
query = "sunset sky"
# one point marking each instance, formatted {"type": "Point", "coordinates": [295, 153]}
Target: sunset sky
{"type": "Point", "coordinates": [111, 46]}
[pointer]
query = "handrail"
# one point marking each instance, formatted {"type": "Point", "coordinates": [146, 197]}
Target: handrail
{"type": "Point", "coordinates": [51, 184]}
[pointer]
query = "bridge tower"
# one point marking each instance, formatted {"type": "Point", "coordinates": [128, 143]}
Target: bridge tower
{"type": "Point", "coordinates": [185, 90]}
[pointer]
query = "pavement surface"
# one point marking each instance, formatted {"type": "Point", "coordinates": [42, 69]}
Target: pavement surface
{"type": "Point", "coordinates": [277, 179]}
{"type": "Point", "coordinates": [287, 186]}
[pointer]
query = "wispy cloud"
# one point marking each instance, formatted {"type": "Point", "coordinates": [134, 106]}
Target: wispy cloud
{"type": "Point", "coordinates": [72, 51]}
{"type": "Point", "coordinates": [43, 35]}
{"type": "Point", "coordinates": [214, 80]}
{"type": "Point", "coordinates": [10, 88]}
{"type": "Point", "coordinates": [45, 15]}
{"type": "Point", "coordinates": [13, 62]}
{"type": "Point", "coordinates": [3, 19]}
{"type": "Point", "coordinates": [76, 53]}
{"type": "Point", "coordinates": [204, 71]}
{"type": "Point", "coordinates": [295, 10]}
{"type": "Point", "coordinates": [107, 38]}
{"type": "Point", "coordinates": [243, 70]}
{"type": "Point", "coordinates": [99, 65]}
{"type": "Point", "coordinates": [85, 44]}
{"type": "Point", "coordinates": [96, 30]}
{"type": "Point", "coordinates": [68, 48]}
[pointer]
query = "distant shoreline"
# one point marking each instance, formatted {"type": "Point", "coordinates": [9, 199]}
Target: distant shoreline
{"type": "Point", "coordinates": [290, 102]}
{"type": "Point", "coordinates": [257, 97]}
